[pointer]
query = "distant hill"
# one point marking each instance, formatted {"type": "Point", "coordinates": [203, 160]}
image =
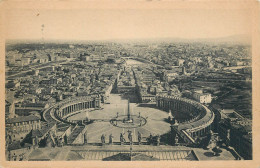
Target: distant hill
{"type": "Point", "coordinates": [243, 39]}
{"type": "Point", "coordinates": [234, 39]}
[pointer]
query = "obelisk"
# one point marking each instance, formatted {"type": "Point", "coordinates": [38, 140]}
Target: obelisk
{"type": "Point", "coordinates": [128, 112]}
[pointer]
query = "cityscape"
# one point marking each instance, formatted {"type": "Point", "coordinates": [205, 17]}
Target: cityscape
{"type": "Point", "coordinates": [128, 100]}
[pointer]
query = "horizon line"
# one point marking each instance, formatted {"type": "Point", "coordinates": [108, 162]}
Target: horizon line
{"type": "Point", "coordinates": [247, 36]}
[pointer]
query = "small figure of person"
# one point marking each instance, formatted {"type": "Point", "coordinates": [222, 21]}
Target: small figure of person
{"type": "Point", "coordinates": [150, 138]}
{"type": "Point", "coordinates": [21, 157]}
{"type": "Point", "coordinates": [139, 115]}
{"type": "Point", "coordinates": [176, 140]}
{"type": "Point", "coordinates": [122, 139]}
{"type": "Point", "coordinates": [111, 139]}
{"type": "Point", "coordinates": [117, 115]}
{"type": "Point", "coordinates": [139, 138]}
{"type": "Point", "coordinates": [158, 139]}
{"type": "Point", "coordinates": [140, 122]}
{"type": "Point", "coordinates": [103, 140]}
{"type": "Point", "coordinates": [130, 136]}
{"type": "Point", "coordinates": [14, 157]}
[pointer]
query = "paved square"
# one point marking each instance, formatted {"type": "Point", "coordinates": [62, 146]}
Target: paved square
{"type": "Point", "coordinates": [155, 118]}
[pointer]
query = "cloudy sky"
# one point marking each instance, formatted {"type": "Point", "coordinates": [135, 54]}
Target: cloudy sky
{"type": "Point", "coordinates": [103, 24]}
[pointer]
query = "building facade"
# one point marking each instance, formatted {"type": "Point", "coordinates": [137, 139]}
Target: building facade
{"type": "Point", "coordinates": [23, 124]}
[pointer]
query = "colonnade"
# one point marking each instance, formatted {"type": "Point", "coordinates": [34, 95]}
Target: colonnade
{"type": "Point", "coordinates": [176, 104]}
{"type": "Point", "coordinates": [179, 107]}
{"type": "Point", "coordinates": [202, 117]}
{"type": "Point", "coordinates": [200, 132]}
{"type": "Point", "coordinates": [74, 106]}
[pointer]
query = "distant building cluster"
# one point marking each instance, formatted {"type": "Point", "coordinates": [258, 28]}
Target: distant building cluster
{"type": "Point", "coordinates": [126, 81]}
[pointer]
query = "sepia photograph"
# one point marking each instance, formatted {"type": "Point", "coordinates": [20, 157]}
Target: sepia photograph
{"type": "Point", "coordinates": [121, 81]}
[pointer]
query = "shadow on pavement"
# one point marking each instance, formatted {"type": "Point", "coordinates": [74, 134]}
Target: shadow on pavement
{"type": "Point", "coordinates": [147, 105]}
{"type": "Point", "coordinates": [209, 154]}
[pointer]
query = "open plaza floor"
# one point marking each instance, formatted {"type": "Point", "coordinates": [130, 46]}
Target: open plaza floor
{"type": "Point", "coordinates": [155, 124]}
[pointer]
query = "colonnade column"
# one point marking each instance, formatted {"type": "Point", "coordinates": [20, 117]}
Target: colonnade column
{"type": "Point", "coordinates": [76, 107]}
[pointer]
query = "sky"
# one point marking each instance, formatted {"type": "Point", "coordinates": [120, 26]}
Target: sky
{"type": "Point", "coordinates": [105, 24]}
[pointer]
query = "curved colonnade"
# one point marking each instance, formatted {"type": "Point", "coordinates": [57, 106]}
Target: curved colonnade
{"type": "Point", "coordinates": [194, 118]}
{"type": "Point", "coordinates": [70, 106]}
